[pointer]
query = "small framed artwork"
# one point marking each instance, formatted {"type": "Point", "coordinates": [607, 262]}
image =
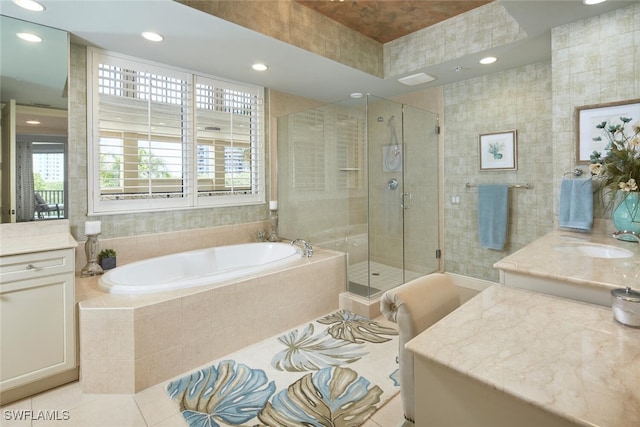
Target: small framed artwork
{"type": "Point", "coordinates": [498, 151]}
{"type": "Point", "coordinates": [590, 138]}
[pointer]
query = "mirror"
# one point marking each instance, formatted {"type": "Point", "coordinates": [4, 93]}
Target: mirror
{"type": "Point", "coordinates": [33, 95]}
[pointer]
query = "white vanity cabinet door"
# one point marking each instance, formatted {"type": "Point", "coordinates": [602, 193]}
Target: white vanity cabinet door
{"type": "Point", "coordinates": [37, 316]}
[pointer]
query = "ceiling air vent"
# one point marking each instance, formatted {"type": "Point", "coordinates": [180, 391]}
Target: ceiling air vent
{"type": "Point", "coordinates": [417, 79]}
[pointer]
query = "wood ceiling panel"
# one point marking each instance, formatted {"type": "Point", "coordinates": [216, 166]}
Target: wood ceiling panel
{"type": "Point", "coordinates": [386, 20]}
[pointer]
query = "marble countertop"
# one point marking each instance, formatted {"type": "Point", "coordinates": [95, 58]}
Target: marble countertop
{"type": "Point", "coordinates": [567, 357]}
{"type": "Point", "coordinates": [27, 237]}
{"type": "Point", "coordinates": [551, 257]}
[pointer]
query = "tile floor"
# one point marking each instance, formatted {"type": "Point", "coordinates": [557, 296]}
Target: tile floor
{"type": "Point", "coordinates": [383, 277]}
{"type": "Point", "coordinates": [150, 407]}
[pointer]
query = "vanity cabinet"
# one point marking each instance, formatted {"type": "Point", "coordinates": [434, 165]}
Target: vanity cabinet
{"type": "Point", "coordinates": [37, 321]}
{"type": "Point", "coordinates": [511, 357]}
{"type": "Point", "coordinates": [555, 264]}
{"type": "Point", "coordinates": [584, 291]}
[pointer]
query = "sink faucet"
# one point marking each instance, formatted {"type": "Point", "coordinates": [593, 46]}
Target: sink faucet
{"type": "Point", "coordinates": [619, 234]}
{"type": "Point", "coordinates": [307, 249]}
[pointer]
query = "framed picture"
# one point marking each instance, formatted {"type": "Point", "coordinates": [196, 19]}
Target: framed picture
{"type": "Point", "coordinates": [588, 137]}
{"type": "Point", "coordinates": [498, 151]}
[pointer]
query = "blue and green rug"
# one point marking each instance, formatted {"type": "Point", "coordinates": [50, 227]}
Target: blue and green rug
{"type": "Point", "coordinates": [335, 371]}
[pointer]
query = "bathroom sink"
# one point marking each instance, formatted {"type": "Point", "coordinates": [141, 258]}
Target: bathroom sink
{"type": "Point", "coordinates": [594, 250]}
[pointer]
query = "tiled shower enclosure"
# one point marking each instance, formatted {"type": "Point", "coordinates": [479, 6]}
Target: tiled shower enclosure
{"type": "Point", "coordinates": [361, 176]}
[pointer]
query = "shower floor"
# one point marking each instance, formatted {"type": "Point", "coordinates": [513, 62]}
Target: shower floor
{"type": "Point", "coordinates": [383, 277]}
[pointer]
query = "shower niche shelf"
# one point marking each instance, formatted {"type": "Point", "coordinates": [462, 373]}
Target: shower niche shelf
{"type": "Point", "coordinates": [349, 169]}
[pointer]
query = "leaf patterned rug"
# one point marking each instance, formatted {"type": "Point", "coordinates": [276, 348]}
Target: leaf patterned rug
{"type": "Point", "coordinates": [335, 371]}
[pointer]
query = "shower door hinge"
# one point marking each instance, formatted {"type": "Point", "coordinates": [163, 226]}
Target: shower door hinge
{"type": "Point", "coordinates": [437, 130]}
{"type": "Point", "coordinates": [438, 253]}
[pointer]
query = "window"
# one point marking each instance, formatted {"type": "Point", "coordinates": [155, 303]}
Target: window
{"type": "Point", "coordinates": [162, 138]}
{"type": "Point", "coordinates": [225, 134]}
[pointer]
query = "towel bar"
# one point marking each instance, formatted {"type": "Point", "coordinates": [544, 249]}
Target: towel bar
{"type": "Point", "coordinates": [575, 172]}
{"type": "Point", "coordinates": [525, 185]}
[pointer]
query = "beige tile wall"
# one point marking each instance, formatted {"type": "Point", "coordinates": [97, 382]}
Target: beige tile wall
{"type": "Point", "coordinates": [538, 101]}
{"type": "Point", "coordinates": [282, 104]}
{"type": "Point", "coordinates": [143, 246]}
{"type": "Point", "coordinates": [478, 30]}
{"type": "Point", "coordinates": [594, 61]}
{"type": "Point", "coordinates": [517, 99]}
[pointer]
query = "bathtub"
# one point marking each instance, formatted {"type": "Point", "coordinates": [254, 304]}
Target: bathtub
{"type": "Point", "coordinates": [157, 336]}
{"type": "Point", "coordinates": [197, 268]}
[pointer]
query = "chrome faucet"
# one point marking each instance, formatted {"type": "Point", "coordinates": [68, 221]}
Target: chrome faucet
{"type": "Point", "coordinates": [619, 234]}
{"type": "Point", "coordinates": [307, 249]}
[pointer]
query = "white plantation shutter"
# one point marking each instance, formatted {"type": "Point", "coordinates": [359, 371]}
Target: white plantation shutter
{"type": "Point", "coordinates": [159, 141]}
{"type": "Point", "coordinates": [229, 148]}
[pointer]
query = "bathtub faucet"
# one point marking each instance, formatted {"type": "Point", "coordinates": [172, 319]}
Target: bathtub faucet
{"type": "Point", "coordinates": [307, 249]}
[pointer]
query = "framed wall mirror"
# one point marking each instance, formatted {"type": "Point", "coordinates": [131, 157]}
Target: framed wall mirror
{"type": "Point", "coordinates": [33, 96]}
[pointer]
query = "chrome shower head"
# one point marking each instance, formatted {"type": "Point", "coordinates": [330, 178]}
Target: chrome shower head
{"type": "Point", "coordinates": [390, 121]}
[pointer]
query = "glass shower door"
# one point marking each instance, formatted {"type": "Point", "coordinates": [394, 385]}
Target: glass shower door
{"type": "Point", "coordinates": [361, 176]}
{"type": "Point", "coordinates": [385, 171]}
{"type": "Point", "coordinates": [403, 194]}
{"type": "Point", "coordinates": [420, 188]}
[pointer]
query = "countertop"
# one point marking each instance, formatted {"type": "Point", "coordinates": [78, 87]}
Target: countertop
{"type": "Point", "coordinates": [566, 357]}
{"type": "Point", "coordinates": [551, 257]}
{"type": "Point", "coordinates": [27, 237]}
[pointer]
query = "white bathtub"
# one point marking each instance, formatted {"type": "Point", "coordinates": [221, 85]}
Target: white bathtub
{"type": "Point", "coordinates": [196, 268]}
{"type": "Point", "coordinates": [185, 329]}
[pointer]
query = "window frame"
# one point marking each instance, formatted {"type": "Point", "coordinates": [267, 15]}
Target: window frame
{"type": "Point", "coordinates": [189, 197]}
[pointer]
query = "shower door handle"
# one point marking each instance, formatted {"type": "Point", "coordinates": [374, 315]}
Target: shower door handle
{"type": "Point", "coordinates": [404, 203]}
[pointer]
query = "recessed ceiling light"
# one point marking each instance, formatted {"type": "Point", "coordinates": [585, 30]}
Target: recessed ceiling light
{"type": "Point", "coordinates": [32, 122]}
{"type": "Point", "coordinates": [356, 95]}
{"type": "Point", "coordinates": [31, 5]}
{"type": "Point", "coordinates": [591, 2]}
{"type": "Point", "coordinates": [151, 36]}
{"type": "Point", "coordinates": [488, 60]}
{"type": "Point", "coordinates": [260, 67]}
{"type": "Point", "coordinates": [29, 37]}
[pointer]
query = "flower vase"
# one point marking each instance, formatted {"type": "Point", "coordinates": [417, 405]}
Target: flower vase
{"type": "Point", "coordinates": [626, 216]}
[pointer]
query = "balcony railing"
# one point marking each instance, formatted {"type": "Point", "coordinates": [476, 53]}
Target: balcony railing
{"type": "Point", "coordinates": [55, 204]}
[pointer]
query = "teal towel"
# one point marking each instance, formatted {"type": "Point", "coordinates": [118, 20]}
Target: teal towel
{"type": "Point", "coordinates": [493, 215]}
{"type": "Point", "coordinates": [576, 204]}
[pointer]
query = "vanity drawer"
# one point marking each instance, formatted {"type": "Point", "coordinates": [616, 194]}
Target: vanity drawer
{"type": "Point", "coordinates": [36, 264]}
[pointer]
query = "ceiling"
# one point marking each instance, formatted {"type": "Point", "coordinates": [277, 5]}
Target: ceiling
{"type": "Point", "coordinates": [384, 21]}
{"type": "Point", "coordinates": [198, 41]}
